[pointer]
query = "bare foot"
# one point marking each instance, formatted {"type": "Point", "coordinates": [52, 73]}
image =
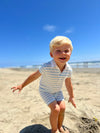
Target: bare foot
{"type": "Point", "coordinates": [55, 131]}
{"type": "Point", "coordinates": [63, 131]}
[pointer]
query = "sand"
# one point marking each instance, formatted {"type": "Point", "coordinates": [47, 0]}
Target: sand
{"type": "Point", "coordinates": [27, 113]}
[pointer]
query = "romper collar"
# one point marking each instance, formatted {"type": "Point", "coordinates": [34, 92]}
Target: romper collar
{"type": "Point", "coordinates": [53, 64]}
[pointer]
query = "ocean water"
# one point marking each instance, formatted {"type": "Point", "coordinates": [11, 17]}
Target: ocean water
{"type": "Point", "coordinates": [90, 64]}
{"type": "Point", "coordinates": [85, 65]}
{"type": "Point", "coordinates": [74, 65]}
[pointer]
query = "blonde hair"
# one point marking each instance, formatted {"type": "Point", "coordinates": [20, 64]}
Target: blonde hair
{"type": "Point", "coordinates": [58, 41]}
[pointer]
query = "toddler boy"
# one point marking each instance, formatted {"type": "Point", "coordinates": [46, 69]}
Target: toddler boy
{"type": "Point", "coordinates": [52, 75]}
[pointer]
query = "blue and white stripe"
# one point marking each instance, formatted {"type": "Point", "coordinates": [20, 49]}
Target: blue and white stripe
{"type": "Point", "coordinates": [51, 97]}
{"type": "Point", "coordinates": [52, 78]}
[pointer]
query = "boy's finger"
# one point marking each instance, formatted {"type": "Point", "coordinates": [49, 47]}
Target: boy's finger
{"type": "Point", "coordinates": [74, 104]}
{"type": "Point", "coordinates": [19, 91]}
{"type": "Point", "coordinates": [69, 100]}
{"type": "Point", "coordinates": [12, 88]}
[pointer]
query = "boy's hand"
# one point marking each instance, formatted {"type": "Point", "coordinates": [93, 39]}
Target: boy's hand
{"type": "Point", "coordinates": [72, 101]}
{"type": "Point", "coordinates": [17, 88]}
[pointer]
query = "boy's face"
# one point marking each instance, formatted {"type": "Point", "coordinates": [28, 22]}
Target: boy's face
{"type": "Point", "coordinates": [61, 54]}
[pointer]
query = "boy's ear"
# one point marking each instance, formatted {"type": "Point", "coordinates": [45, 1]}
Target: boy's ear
{"type": "Point", "coordinates": [51, 54]}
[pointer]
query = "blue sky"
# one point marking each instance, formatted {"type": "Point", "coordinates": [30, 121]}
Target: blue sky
{"type": "Point", "coordinates": [27, 26]}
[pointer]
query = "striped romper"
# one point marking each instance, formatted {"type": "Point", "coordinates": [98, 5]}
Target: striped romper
{"type": "Point", "coordinates": [52, 80]}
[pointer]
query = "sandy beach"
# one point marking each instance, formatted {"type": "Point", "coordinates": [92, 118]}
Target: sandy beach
{"type": "Point", "coordinates": [27, 113]}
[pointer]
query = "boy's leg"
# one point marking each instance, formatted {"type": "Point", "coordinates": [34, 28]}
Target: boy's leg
{"type": "Point", "coordinates": [61, 116]}
{"type": "Point", "coordinates": [55, 109]}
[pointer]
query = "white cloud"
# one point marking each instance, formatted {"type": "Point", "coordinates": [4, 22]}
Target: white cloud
{"type": "Point", "coordinates": [50, 28]}
{"type": "Point", "coordinates": [68, 31]}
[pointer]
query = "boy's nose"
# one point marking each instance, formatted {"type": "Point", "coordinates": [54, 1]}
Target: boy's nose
{"type": "Point", "coordinates": [63, 52]}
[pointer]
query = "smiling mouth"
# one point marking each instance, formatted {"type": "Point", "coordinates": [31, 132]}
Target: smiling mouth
{"type": "Point", "coordinates": [62, 58]}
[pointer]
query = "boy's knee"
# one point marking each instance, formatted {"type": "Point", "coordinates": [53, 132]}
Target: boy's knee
{"type": "Point", "coordinates": [56, 109]}
{"type": "Point", "coordinates": [62, 107]}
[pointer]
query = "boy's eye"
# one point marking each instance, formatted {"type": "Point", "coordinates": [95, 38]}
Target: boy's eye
{"type": "Point", "coordinates": [58, 51]}
{"type": "Point", "coordinates": [66, 51]}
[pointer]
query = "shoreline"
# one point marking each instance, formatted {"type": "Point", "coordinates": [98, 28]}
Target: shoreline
{"type": "Point", "coordinates": [87, 70]}
{"type": "Point", "coordinates": [74, 69]}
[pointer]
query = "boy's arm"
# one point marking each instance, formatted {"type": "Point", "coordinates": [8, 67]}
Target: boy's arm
{"type": "Point", "coordinates": [69, 87]}
{"type": "Point", "coordinates": [31, 78]}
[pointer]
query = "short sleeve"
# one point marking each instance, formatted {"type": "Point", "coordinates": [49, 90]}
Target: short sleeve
{"type": "Point", "coordinates": [41, 69]}
{"type": "Point", "coordinates": [70, 73]}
